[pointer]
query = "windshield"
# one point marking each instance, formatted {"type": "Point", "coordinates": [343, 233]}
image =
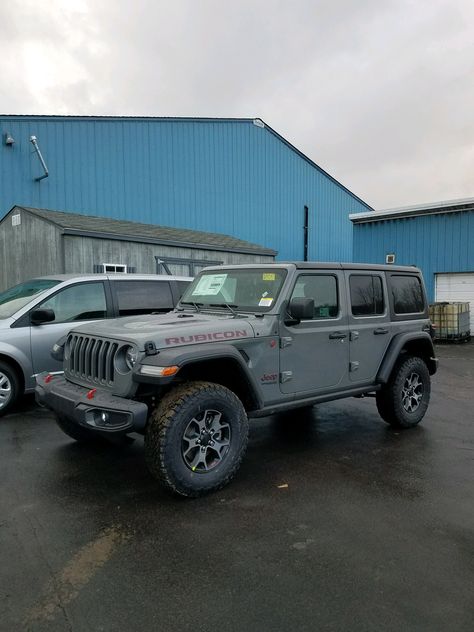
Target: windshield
{"type": "Point", "coordinates": [246, 290]}
{"type": "Point", "coordinates": [20, 295]}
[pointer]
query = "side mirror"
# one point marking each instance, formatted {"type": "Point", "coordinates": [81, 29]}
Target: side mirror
{"type": "Point", "coordinates": [40, 316]}
{"type": "Point", "coordinates": [301, 308]}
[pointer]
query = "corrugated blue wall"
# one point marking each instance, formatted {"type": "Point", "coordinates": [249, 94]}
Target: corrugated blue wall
{"type": "Point", "coordinates": [435, 243]}
{"type": "Point", "coordinates": [220, 175]}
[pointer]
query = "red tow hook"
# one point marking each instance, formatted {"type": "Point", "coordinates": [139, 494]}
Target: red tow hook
{"type": "Point", "coordinates": [48, 378]}
{"type": "Point", "coordinates": [91, 393]}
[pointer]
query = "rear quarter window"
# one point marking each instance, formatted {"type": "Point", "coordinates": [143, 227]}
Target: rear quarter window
{"type": "Point", "coordinates": [407, 294]}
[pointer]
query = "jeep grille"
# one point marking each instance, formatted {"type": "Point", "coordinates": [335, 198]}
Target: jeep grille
{"type": "Point", "coordinates": [91, 359]}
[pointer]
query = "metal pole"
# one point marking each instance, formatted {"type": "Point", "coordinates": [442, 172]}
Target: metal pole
{"type": "Point", "coordinates": [34, 142]}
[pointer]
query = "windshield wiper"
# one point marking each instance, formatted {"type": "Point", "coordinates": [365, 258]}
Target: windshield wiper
{"type": "Point", "coordinates": [229, 307]}
{"type": "Point", "coordinates": [197, 306]}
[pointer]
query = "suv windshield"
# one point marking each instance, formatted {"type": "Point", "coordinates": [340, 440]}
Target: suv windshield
{"type": "Point", "coordinates": [18, 296]}
{"type": "Point", "coordinates": [246, 290]}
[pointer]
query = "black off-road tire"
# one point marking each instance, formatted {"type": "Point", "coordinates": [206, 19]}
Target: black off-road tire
{"type": "Point", "coordinates": [390, 400]}
{"type": "Point", "coordinates": [11, 381]}
{"type": "Point", "coordinates": [77, 432]}
{"type": "Point", "coordinates": [168, 424]}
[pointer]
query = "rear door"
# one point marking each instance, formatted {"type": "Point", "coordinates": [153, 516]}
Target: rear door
{"type": "Point", "coordinates": [369, 323]}
{"type": "Point", "coordinates": [314, 354]}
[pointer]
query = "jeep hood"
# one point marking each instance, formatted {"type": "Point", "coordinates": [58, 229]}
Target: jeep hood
{"type": "Point", "coordinates": [172, 329]}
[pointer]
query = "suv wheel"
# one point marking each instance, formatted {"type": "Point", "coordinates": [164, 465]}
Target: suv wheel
{"type": "Point", "coordinates": [403, 401]}
{"type": "Point", "coordinates": [10, 388]}
{"type": "Point", "coordinates": [196, 438]}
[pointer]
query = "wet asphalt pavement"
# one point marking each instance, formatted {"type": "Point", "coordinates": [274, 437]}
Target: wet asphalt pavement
{"type": "Point", "coordinates": [334, 522]}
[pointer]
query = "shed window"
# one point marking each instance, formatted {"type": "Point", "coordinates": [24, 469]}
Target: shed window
{"type": "Point", "coordinates": [366, 295]}
{"type": "Point", "coordinates": [114, 267]}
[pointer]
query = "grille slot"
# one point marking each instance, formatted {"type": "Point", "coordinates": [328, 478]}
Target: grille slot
{"type": "Point", "coordinates": [91, 359]}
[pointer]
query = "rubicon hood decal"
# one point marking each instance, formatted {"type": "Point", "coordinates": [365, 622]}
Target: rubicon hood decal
{"type": "Point", "coordinates": [171, 330]}
{"type": "Point", "coordinates": [215, 335]}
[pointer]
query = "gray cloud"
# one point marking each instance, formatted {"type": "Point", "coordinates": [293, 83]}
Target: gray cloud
{"type": "Point", "coordinates": [380, 94]}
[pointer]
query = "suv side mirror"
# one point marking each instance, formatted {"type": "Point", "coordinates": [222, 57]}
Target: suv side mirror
{"type": "Point", "coordinates": [301, 308]}
{"type": "Point", "coordinates": [40, 316]}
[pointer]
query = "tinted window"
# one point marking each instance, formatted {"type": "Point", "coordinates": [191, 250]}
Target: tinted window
{"type": "Point", "coordinates": [85, 301]}
{"type": "Point", "coordinates": [323, 290]}
{"type": "Point", "coordinates": [366, 295]}
{"type": "Point", "coordinates": [143, 297]}
{"type": "Point", "coordinates": [407, 294]}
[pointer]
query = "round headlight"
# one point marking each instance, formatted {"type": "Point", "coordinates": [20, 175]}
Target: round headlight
{"type": "Point", "coordinates": [131, 357]}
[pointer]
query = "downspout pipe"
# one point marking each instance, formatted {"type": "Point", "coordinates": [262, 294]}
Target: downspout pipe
{"type": "Point", "coordinates": [34, 142]}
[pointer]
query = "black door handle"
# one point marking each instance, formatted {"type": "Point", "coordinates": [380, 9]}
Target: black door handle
{"type": "Point", "coordinates": [379, 331]}
{"type": "Point", "coordinates": [337, 335]}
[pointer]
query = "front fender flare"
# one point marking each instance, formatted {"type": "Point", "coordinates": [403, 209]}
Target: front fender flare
{"type": "Point", "coordinates": [193, 354]}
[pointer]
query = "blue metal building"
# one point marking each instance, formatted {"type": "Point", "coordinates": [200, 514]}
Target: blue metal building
{"type": "Point", "coordinates": [438, 238]}
{"type": "Point", "coordinates": [232, 176]}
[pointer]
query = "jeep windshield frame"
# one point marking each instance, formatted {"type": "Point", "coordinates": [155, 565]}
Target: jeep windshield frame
{"type": "Point", "coordinates": [247, 290]}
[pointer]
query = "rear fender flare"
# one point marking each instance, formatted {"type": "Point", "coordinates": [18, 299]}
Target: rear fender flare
{"type": "Point", "coordinates": [397, 345]}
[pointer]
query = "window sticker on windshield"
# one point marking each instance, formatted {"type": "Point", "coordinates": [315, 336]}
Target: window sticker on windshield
{"type": "Point", "coordinates": [209, 285]}
{"type": "Point", "coordinates": [269, 276]}
{"type": "Point", "coordinates": [265, 302]}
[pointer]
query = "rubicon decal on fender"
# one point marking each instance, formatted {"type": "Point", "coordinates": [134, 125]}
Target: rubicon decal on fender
{"type": "Point", "coordinates": [217, 335]}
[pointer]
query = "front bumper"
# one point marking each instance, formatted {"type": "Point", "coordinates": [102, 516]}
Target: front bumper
{"type": "Point", "coordinates": [95, 409]}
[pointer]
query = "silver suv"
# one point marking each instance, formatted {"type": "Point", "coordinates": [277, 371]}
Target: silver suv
{"type": "Point", "coordinates": [246, 341]}
{"type": "Point", "coordinates": [37, 313]}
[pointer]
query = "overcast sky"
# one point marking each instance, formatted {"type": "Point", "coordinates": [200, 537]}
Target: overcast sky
{"type": "Point", "coordinates": [380, 93]}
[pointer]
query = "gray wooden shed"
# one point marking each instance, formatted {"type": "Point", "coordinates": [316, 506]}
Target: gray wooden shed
{"type": "Point", "coordinates": [36, 242]}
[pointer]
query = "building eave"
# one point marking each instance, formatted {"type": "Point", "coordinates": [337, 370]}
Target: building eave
{"type": "Point", "coordinates": [433, 208]}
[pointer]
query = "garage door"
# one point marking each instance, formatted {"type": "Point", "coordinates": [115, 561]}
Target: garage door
{"type": "Point", "coordinates": [456, 286]}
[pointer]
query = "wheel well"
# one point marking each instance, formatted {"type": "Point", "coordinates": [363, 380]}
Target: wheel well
{"type": "Point", "coordinates": [422, 349]}
{"type": "Point", "coordinates": [13, 364]}
{"type": "Point", "coordinates": [226, 372]}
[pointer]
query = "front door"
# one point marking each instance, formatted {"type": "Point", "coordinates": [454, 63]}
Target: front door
{"type": "Point", "coordinates": [73, 305]}
{"type": "Point", "coordinates": [369, 323]}
{"type": "Point", "coordinates": [314, 354]}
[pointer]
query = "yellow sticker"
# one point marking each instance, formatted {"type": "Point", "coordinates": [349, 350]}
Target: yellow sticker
{"type": "Point", "coordinates": [268, 276]}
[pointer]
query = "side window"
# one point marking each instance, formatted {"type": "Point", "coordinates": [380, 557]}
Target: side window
{"type": "Point", "coordinates": [85, 301]}
{"type": "Point", "coordinates": [407, 294]}
{"type": "Point", "coordinates": [143, 297]}
{"type": "Point", "coordinates": [366, 295]}
{"type": "Point", "coordinates": [322, 289]}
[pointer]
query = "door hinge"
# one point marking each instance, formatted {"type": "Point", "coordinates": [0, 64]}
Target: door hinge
{"type": "Point", "coordinates": [353, 366]}
{"type": "Point", "coordinates": [354, 335]}
{"type": "Point", "coordinates": [286, 376]}
{"type": "Point", "coordinates": [286, 341]}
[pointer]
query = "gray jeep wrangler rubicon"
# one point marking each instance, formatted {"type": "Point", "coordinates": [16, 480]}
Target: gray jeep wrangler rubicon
{"type": "Point", "coordinates": [245, 341]}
